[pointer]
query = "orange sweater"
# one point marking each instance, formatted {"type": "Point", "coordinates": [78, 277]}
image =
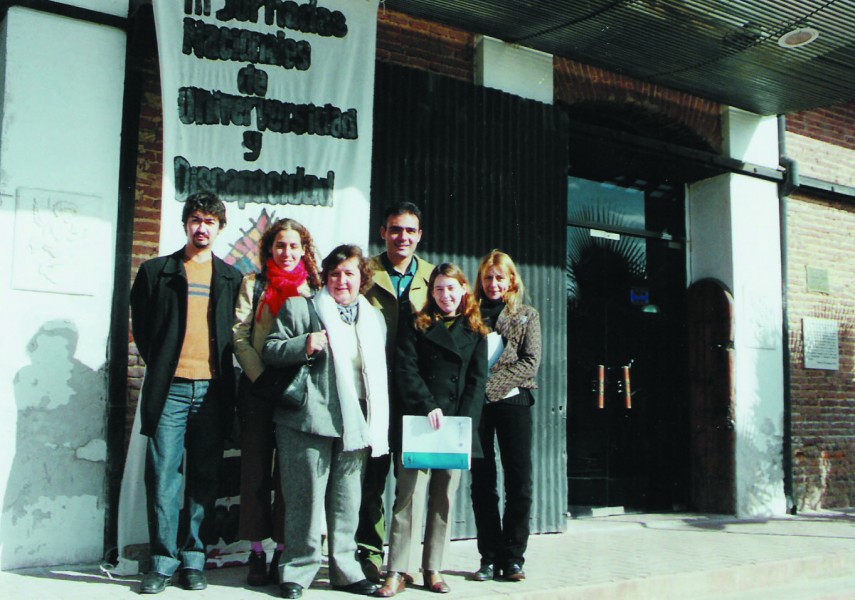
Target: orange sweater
{"type": "Point", "coordinates": [196, 361]}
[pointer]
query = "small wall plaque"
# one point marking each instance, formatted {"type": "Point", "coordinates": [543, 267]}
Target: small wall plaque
{"type": "Point", "coordinates": [817, 280]}
{"type": "Point", "coordinates": [821, 343]}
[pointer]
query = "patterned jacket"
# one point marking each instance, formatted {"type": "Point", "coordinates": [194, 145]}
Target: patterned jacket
{"type": "Point", "coordinates": [518, 364]}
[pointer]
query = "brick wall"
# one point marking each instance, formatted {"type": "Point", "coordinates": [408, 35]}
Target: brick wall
{"type": "Point", "coordinates": [410, 42]}
{"type": "Point", "coordinates": [147, 210]}
{"type": "Point", "coordinates": [835, 125]}
{"type": "Point", "coordinates": [820, 236]}
{"type": "Point", "coordinates": [578, 83]}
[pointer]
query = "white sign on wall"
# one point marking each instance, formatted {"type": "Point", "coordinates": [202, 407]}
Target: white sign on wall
{"type": "Point", "coordinates": [821, 343]}
{"type": "Point", "coordinates": [268, 104]}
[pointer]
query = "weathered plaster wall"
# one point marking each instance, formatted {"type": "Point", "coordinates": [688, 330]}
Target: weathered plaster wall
{"type": "Point", "coordinates": [61, 102]}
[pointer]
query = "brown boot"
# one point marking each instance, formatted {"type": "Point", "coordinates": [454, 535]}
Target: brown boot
{"type": "Point", "coordinates": [395, 584]}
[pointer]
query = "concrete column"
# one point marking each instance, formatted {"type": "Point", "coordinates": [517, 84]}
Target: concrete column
{"type": "Point", "coordinates": [734, 235]}
{"type": "Point", "coordinates": [61, 93]}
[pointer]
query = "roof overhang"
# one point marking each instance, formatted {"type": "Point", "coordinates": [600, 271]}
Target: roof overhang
{"type": "Point", "coordinates": [749, 54]}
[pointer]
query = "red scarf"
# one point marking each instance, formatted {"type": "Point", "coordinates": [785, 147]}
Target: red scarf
{"type": "Point", "coordinates": [282, 285]}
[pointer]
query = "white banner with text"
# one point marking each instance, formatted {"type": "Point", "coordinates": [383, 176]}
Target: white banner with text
{"type": "Point", "coordinates": [269, 104]}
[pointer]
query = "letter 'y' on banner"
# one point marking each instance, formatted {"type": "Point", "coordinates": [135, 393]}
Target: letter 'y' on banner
{"type": "Point", "coordinates": [270, 105]}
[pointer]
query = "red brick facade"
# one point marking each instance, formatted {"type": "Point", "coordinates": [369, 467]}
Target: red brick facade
{"type": "Point", "coordinates": [147, 211]}
{"type": "Point", "coordinates": [823, 402]}
{"type": "Point", "coordinates": [408, 42]}
{"type": "Point", "coordinates": [575, 83]}
{"type": "Point", "coordinates": [835, 125]}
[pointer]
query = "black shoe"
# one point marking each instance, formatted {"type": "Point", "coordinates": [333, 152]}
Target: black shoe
{"type": "Point", "coordinates": [192, 579]}
{"type": "Point", "coordinates": [273, 575]}
{"type": "Point", "coordinates": [154, 582]}
{"type": "Point", "coordinates": [514, 572]}
{"type": "Point", "coordinates": [257, 575]}
{"type": "Point", "coordinates": [485, 573]}
{"type": "Point", "coordinates": [289, 589]}
{"type": "Point", "coordinates": [363, 587]}
{"type": "Point", "coordinates": [371, 570]}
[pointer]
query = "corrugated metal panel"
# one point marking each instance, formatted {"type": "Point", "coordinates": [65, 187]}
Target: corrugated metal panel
{"type": "Point", "coordinates": [488, 171]}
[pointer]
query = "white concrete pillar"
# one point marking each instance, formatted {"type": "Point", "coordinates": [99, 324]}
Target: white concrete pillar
{"type": "Point", "coordinates": [734, 234]}
{"type": "Point", "coordinates": [61, 93]}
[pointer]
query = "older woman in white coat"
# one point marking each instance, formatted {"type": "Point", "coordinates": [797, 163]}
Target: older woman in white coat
{"type": "Point", "coordinates": [323, 447]}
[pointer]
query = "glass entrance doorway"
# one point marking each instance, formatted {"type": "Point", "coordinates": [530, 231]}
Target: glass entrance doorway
{"type": "Point", "coordinates": [626, 343]}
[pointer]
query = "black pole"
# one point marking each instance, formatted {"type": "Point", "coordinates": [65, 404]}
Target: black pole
{"type": "Point", "coordinates": [140, 36]}
{"type": "Point", "coordinates": [785, 188]}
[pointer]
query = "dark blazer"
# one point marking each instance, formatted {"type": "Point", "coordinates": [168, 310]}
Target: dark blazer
{"type": "Point", "coordinates": [440, 368]}
{"type": "Point", "coordinates": [159, 322]}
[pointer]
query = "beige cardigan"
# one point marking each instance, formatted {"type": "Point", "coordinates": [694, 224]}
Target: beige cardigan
{"type": "Point", "coordinates": [248, 351]}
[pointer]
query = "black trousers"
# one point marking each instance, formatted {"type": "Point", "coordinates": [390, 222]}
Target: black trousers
{"type": "Point", "coordinates": [503, 539]}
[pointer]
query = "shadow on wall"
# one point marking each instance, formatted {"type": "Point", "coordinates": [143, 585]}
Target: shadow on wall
{"type": "Point", "coordinates": [53, 510]}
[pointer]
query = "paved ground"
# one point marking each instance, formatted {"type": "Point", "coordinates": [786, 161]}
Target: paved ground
{"type": "Point", "coordinates": [804, 557]}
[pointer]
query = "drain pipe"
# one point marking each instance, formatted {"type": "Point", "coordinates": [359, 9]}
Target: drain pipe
{"type": "Point", "coordinates": [785, 188]}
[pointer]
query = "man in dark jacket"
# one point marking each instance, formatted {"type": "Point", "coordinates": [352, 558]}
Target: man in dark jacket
{"type": "Point", "coordinates": [182, 312]}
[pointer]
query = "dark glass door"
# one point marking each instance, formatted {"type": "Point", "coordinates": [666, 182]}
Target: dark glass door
{"type": "Point", "coordinates": [626, 341]}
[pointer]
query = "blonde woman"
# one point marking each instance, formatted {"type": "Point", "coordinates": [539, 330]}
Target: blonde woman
{"type": "Point", "coordinates": [514, 362]}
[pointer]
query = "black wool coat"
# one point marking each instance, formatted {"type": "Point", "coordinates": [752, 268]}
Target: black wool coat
{"type": "Point", "coordinates": [159, 322]}
{"type": "Point", "coordinates": [440, 368]}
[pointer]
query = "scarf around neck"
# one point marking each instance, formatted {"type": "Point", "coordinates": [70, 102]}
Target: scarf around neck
{"type": "Point", "coordinates": [282, 285]}
{"type": "Point", "coordinates": [371, 340]}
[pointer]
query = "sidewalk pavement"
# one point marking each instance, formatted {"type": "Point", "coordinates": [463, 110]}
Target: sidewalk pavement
{"type": "Point", "coordinates": [640, 556]}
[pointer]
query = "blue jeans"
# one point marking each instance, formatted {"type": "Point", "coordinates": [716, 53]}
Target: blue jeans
{"type": "Point", "coordinates": [190, 420]}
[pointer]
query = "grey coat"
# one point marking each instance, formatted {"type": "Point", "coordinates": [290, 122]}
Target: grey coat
{"type": "Point", "coordinates": [286, 345]}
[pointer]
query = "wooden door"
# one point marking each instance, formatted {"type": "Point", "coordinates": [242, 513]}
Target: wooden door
{"type": "Point", "coordinates": [711, 368]}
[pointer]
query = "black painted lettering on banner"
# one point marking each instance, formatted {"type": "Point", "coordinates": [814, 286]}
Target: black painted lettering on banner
{"type": "Point", "coordinates": [250, 108]}
{"type": "Point", "coordinates": [254, 187]}
{"type": "Point", "coordinates": [305, 18]}
{"type": "Point", "coordinates": [203, 107]}
{"type": "Point", "coordinates": [204, 40]}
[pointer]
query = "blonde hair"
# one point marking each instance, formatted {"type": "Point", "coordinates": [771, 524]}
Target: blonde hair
{"type": "Point", "coordinates": [469, 307]}
{"type": "Point", "coordinates": [516, 291]}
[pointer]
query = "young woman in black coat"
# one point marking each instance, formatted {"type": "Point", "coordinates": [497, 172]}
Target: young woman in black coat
{"type": "Point", "coordinates": [441, 370]}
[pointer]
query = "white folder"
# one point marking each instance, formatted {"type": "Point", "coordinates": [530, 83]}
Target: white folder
{"type": "Point", "coordinates": [449, 447]}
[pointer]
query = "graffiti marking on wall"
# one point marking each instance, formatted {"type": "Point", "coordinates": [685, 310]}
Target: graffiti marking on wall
{"type": "Point", "coordinates": [59, 238]}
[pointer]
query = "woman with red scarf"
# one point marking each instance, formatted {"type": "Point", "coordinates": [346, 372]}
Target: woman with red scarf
{"type": "Point", "coordinates": [288, 268]}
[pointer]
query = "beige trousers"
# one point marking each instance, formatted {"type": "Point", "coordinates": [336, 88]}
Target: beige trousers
{"type": "Point", "coordinates": [415, 489]}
